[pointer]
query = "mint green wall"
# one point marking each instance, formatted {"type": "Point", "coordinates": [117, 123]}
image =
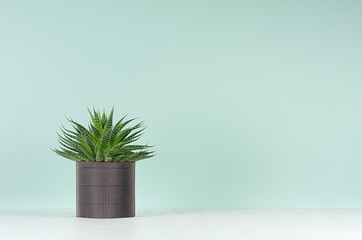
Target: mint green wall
{"type": "Point", "coordinates": [250, 104]}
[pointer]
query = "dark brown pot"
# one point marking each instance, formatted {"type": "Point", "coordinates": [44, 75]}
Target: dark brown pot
{"type": "Point", "coordinates": [105, 189]}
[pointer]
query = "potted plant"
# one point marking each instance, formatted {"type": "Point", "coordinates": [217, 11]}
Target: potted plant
{"type": "Point", "coordinates": [105, 161]}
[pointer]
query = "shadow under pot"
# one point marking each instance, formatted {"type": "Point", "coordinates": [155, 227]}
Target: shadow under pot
{"type": "Point", "coordinates": [105, 189]}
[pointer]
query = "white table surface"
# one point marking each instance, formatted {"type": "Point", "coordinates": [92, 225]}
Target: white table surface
{"type": "Point", "coordinates": [198, 224]}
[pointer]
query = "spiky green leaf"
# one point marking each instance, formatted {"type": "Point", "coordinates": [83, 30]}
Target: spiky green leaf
{"type": "Point", "coordinates": [102, 141]}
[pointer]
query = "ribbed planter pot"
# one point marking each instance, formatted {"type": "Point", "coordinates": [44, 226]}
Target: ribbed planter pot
{"type": "Point", "coordinates": [105, 189]}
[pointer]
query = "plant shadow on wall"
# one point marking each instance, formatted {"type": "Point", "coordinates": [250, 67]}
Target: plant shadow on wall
{"type": "Point", "coordinates": [105, 159]}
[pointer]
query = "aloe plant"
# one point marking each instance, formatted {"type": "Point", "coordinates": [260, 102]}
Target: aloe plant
{"type": "Point", "coordinates": [103, 141]}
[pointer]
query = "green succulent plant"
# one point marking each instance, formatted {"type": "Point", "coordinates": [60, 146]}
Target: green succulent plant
{"type": "Point", "coordinates": [103, 141]}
